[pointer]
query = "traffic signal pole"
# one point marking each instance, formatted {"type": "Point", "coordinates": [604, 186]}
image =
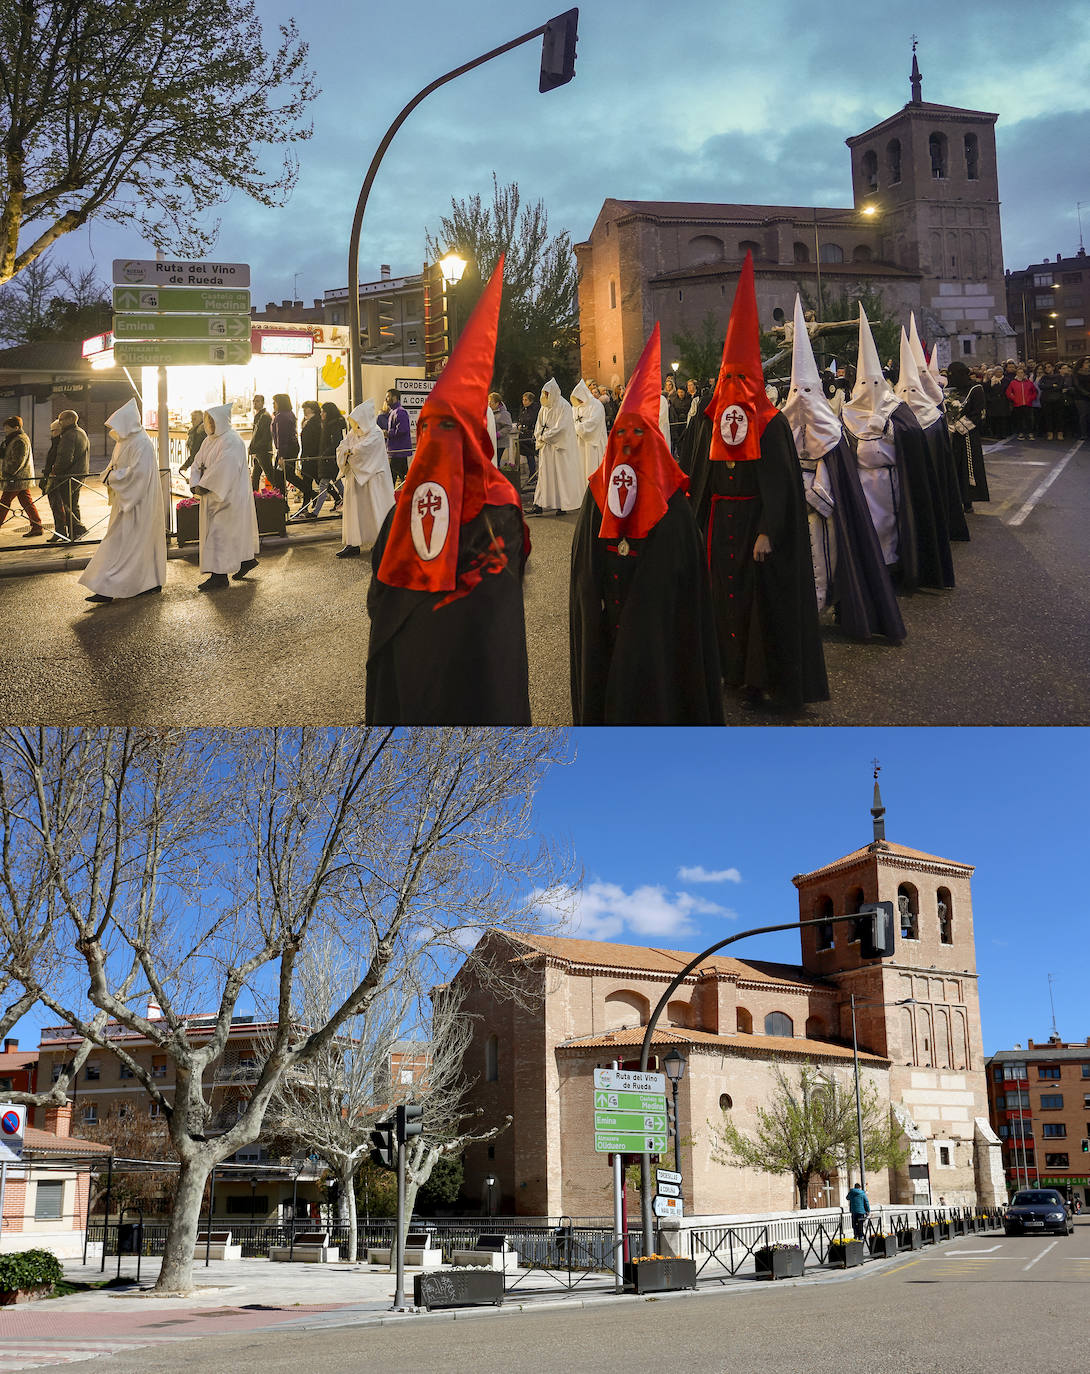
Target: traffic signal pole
{"type": "Point", "coordinates": [881, 937]}
{"type": "Point", "coordinates": [399, 1286]}
{"type": "Point", "coordinates": [355, 376]}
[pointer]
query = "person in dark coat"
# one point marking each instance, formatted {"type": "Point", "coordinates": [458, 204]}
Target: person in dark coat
{"type": "Point", "coordinates": [850, 573]}
{"type": "Point", "coordinates": [965, 414]}
{"type": "Point", "coordinates": [285, 436]}
{"type": "Point", "coordinates": [527, 423]}
{"type": "Point", "coordinates": [334, 428]}
{"type": "Point", "coordinates": [448, 631]}
{"type": "Point", "coordinates": [71, 464]}
{"type": "Point", "coordinates": [641, 626]}
{"type": "Point", "coordinates": [16, 475]}
{"type": "Point", "coordinates": [748, 498]}
{"type": "Point", "coordinates": [261, 449]}
{"type": "Point", "coordinates": [310, 446]}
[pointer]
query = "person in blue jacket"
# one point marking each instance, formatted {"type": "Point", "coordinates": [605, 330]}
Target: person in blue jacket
{"type": "Point", "coordinates": [859, 1207]}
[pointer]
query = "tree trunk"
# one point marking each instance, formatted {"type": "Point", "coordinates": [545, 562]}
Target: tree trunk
{"type": "Point", "coordinates": [176, 1275]}
{"type": "Point", "coordinates": [802, 1183]}
{"type": "Point", "coordinates": [348, 1202]}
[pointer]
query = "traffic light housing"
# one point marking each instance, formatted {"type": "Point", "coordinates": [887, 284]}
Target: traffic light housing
{"type": "Point", "coordinates": [1086, 1147]}
{"type": "Point", "coordinates": [558, 51]}
{"type": "Point", "coordinates": [409, 1122]}
{"type": "Point", "coordinates": [383, 1148]}
{"type": "Point", "coordinates": [877, 941]}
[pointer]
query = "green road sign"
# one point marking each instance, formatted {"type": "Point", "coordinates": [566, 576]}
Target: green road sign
{"type": "Point", "coordinates": [640, 1122]}
{"type": "Point", "coordinates": [190, 300]}
{"type": "Point", "coordinates": [610, 1100]}
{"type": "Point", "coordinates": [628, 1143]}
{"type": "Point", "coordinates": [152, 353]}
{"type": "Point", "coordinates": [182, 327]}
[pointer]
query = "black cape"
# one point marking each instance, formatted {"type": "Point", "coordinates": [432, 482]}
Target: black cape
{"type": "Point", "coordinates": [921, 485]}
{"type": "Point", "coordinates": [462, 663]}
{"type": "Point", "coordinates": [862, 591]}
{"type": "Point", "coordinates": [766, 613]}
{"type": "Point", "coordinates": [955, 493]}
{"type": "Point", "coordinates": [968, 449]}
{"type": "Point", "coordinates": [643, 645]}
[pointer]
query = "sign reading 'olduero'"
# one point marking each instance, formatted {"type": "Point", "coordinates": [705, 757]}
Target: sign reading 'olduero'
{"type": "Point", "coordinates": [182, 352]}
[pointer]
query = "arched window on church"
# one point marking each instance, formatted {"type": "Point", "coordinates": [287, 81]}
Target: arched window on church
{"type": "Point", "coordinates": [908, 906]}
{"type": "Point", "coordinates": [779, 1023]}
{"type": "Point", "coordinates": [816, 1029]}
{"type": "Point", "coordinates": [492, 1059]}
{"type": "Point", "coordinates": [705, 248]}
{"type": "Point", "coordinates": [823, 912]}
{"type": "Point", "coordinates": [862, 253]}
{"type": "Point", "coordinates": [802, 251]}
{"type": "Point", "coordinates": [749, 246]}
{"type": "Point", "coordinates": [626, 1009]}
{"type": "Point", "coordinates": [972, 157]}
{"type": "Point", "coordinates": [677, 1013]}
{"type": "Point", "coordinates": [852, 903]}
{"type": "Point", "coordinates": [745, 1021]}
{"type": "Point", "coordinates": [893, 160]}
{"type": "Point", "coordinates": [936, 146]}
{"type": "Point", "coordinates": [870, 170]}
{"type": "Point", "coordinates": [832, 252]}
{"type": "Point", "coordinates": [946, 916]}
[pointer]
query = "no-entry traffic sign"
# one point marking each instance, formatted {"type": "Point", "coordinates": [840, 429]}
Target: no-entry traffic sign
{"type": "Point", "coordinates": [12, 1127]}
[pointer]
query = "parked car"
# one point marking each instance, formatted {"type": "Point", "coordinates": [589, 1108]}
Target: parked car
{"type": "Point", "coordinates": [1038, 1209]}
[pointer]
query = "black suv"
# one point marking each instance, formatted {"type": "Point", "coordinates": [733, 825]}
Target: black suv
{"type": "Point", "coordinates": [1038, 1209]}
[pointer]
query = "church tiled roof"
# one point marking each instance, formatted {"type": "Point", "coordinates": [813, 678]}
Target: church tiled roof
{"type": "Point", "coordinates": [897, 851]}
{"type": "Point", "coordinates": [763, 1044]}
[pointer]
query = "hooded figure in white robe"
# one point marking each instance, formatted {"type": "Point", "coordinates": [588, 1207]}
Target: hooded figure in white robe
{"type": "Point", "coordinates": [132, 558]}
{"type": "Point", "coordinates": [560, 479]}
{"type": "Point", "coordinates": [220, 475]}
{"type": "Point", "coordinates": [589, 415]}
{"type": "Point", "coordinates": [867, 420]}
{"type": "Point", "coordinates": [916, 387]}
{"type": "Point", "coordinates": [368, 486]}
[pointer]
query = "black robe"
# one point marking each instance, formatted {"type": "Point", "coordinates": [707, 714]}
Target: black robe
{"type": "Point", "coordinates": [968, 449]}
{"type": "Point", "coordinates": [955, 497]}
{"type": "Point", "coordinates": [643, 645]}
{"type": "Point", "coordinates": [462, 663]}
{"type": "Point", "coordinates": [922, 488]}
{"type": "Point", "coordinates": [862, 591]}
{"type": "Point", "coordinates": [766, 613]}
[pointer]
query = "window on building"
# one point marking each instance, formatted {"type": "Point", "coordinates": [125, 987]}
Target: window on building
{"type": "Point", "coordinates": [870, 170]}
{"type": "Point", "coordinates": [945, 907]}
{"type": "Point", "coordinates": [59, 1069]}
{"type": "Point", "coordinates": [832, 252]}
{"type": "Point", "coordinates": [1014, 1068]}
{"type": "Point", "coordinates": [1075, 322]}
{"type": "Point", "coordinates": [124, 1111]}
{"type": "Point", "coordinates": [862, 253]}
{"type": "Point", "coordinates": [1053, 1130]}
{"type": "Point", "coordinates": [893, 160]}
{"type": "Point", "coordinates": [1042, 278]}
{"type": "Point", "coordinates": [492, 1059]}
{"type": "Point", "coordinates": [997, 1073]}
{"type": "Point", "coordinates": [1052, 1102]}
{"type": "Point", "coordinates": [89, 1114]}
{"type": "Point", "coordinates": [1085, 1070]}
{"type": "Point", "coordinates": [726, 1102]}
{"type": "Point", "coordinates": [779, 1023]}
{"type": "Point", "coordinates": [966, 345]}
{"type": "Point", "coordinates": [49, 1201]}
{"type": "Point", "coordinates": [908, 905]}
{"type": "Point", "coordinates": [1071, 278]}
{"type": "Point", "coordinates": [491, 1152]}
{"type": "Point", "coordinates": [749, 246]}
{"type": "Point", "coordinates": [1086, 1100]}
{"type": "Point", "coordinates": [158, 1066]}
{"type": "Point", "coordinates": [123, 1071]}
{"type": "Point", "coordinates": [154, 1110]}
{"type": "Point", "coordinates": [944, 1155]}
{"type": "Point", "coordinates": [1018, 1098]}
{"type": "Point", "coordinates": [802, 251]}
{"type": "Point", "coordinates": [936, 145]}
{"type": "Point", "coordinates": [1057, 1162]}
{"type": "Point", "coordinates": [744, 1021]}
{"type": "Point", "coordinates": [612, 294]}
{"type": "Point", "coordinates": [1042, 302]}
{"type": "Point", "coordinates": [92, 1072]}
{"type": "Point", "coordinates": [706, 248]}
{"type": "Point", "coordinates": [1048, 1070]}
{"type": "Point", "coordinates": [1021, 1129]}
{"type": "Point", "coordinates": [1000, 1102]}
{"type": "Point", "coordinates": [972, 157]}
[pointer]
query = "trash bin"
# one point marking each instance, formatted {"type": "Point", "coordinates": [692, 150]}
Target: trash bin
{"type": "Point", "coordinates": [129, 1238]}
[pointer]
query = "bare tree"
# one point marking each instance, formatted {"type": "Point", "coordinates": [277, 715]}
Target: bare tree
{"type": "Point", "coordinates": [808, 1126]}
{"type": "Point", "coordinates": [144, 112]}
{"type": "Point", "coordinates": [195, 867]}
{"type": "Point", "coordinates": [50, 302]}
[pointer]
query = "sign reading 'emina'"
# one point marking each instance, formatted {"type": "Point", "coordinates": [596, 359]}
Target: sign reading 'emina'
{"type": "Point", "coordinates": [147, 271]}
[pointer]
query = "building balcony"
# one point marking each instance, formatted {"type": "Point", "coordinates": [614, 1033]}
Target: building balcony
{"type": "Point", "coordinates": [237, 1073]}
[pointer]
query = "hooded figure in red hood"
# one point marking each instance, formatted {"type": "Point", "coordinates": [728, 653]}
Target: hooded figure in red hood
{"type": "Point", "coordinates": [448, 636]}
{"type": "Point", "coordinates": [748, 499]}
{"type": "Point", "coordinates": [643, 648]}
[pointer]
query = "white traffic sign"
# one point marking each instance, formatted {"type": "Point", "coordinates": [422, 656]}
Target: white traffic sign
{"type": "Point", "coordinates": [12, 1128]}
{"type": "Point", "coordinates": [631, 1080]}
{"type": "Point", "coordinates": [149, 272]}
{"type": "Point", "coordinates": [668, 1207]}
{"type": "Point", "coordinates": [667, 1176]}
{"type": "Point", "coordinates": [667, 1189]}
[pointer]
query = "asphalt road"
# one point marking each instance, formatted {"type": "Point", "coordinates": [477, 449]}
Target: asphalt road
{"type": "Point", "coordinates": [1009, 645]}
{"type": "Point", "coordinates": [981, 1305]}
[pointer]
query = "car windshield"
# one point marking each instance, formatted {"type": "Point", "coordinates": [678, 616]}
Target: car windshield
{"type": "Point", "coordinates": [1038, 1200]}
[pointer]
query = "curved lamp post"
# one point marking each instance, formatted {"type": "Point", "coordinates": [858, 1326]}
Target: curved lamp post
{"type": "Point", "coordinates": [675, 1063]}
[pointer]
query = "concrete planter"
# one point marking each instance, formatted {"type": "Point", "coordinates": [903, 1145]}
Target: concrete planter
{"type": "Point", "coordinates": [911, 1239]}
{"type": "Point", "coordinates": [785, 1263]}
{"type": "Point", "coordinates": [462, 1288]}
{"type": "Point", "coordinates": [847, 1254]}
{"type": "Point", "coordinates": [660, 1275]}
{"type": "Point", "coordinates": [187, 521]}
{"type": "Point", "coordinates": [15, 1297]}
{"type": "Point", "coordinates": [272, 512]}
{"type": "Point", "coordinates": [927, 1235]}
{"type": "Point", "coordinates": [943, 1230]}
{"type": "Point", "coordinates": [960, 1226]}
{"type": "Point", "coordinates": [883, 1247]}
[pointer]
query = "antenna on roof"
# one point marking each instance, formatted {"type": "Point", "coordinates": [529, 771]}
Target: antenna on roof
{"type": "Point", "coordinates": [1052, 1004]}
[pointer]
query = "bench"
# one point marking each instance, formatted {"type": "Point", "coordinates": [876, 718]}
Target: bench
{"type": "Point", "coordinates": [490, 1252]}
{"type": "Point", "coordinates": [310, 1247]}
{"type": "Point", "coordinates": [419, 1252]}
{"type": "Point", "coordinates": [216, 1245]}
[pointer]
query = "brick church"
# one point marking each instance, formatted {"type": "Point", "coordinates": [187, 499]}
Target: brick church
{"type": "Point", "coordinates": [923, 231]}
{"type": "Point", "coordinates": [587, 1002]}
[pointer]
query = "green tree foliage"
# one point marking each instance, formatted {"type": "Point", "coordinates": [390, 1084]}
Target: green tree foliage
{"type": "Point", "coordinates": [539, 317]}
{"type": "Point", "coordinates": [808, 1127]}
{"type": "Point", "coordinates": [701, 350]}
{"type": "Point", "coordinates": [47, 302]}
{"type": "Point", "coordinates": [144, 112]}
{"type": "Point", "coordinates": [444, 1185]}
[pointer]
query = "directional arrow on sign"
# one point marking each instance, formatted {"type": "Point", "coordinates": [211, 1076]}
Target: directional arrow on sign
{"type": "Point", "coordinates": [601, 1099]}
{"type": "Point", "coordinates": [654, 1123]}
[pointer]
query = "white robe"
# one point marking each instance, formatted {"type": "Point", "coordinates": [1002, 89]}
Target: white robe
{"type": "Point", "coordinates": [228, 519]}
{"type": "Point", "coordinates": [560, 480]}
{"type": "Point", "coordinates": [589, 416]}
{"type": "Point", "coordinates": [819, 511]}
{"type": "Point", "coordinates": [368, 485]}
{"type": "Point", "coordinates": [132, 557]}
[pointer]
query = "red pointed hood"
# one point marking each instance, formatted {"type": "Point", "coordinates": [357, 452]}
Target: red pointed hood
{"type": "Point", "coordinates": [451, 476]}
{"type": "Point", "coordinates": [638, 474]}
{"type": "Point", "coordinates": [739, 408]}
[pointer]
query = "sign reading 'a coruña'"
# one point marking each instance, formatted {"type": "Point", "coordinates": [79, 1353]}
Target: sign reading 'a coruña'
{"type": "Point", "coordinates": [149, 272]}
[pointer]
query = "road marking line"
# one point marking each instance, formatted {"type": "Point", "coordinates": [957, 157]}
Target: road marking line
{"type": "Point", "coordinates": [987, 1251]}
{"type": "Point", "coordinates": [1043, 1253]}
{"type": "Point", "coordinates": [1028, 507]}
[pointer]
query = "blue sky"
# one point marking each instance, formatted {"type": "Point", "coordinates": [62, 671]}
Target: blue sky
{"type": "Point", "coordinates": [747, 102]}
{"type": "Point", "coordinates": [758, 806]}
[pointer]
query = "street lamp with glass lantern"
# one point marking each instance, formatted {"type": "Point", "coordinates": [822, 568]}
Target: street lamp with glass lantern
{"type": "Point", "coordinates": [675, 1063]}
{"type": "Point", "coordinates": [490, 1183]}
{"type": "Point", "coordinates": [869, 211]}
{"type": "Point", "coordinates": [452, 268]}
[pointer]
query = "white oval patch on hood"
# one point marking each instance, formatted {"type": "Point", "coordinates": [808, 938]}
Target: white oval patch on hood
{"type": "Point", "coordinates": [430, 521]}
{"type": "Point", "coordinates": [622, 490]}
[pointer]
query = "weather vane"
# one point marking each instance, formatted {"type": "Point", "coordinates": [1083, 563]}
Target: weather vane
{"type": "Point", "coordinates": [877, 768]}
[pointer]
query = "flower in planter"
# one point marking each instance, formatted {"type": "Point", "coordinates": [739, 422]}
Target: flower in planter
{"type": "Point", "coordinates": [268, 495]}
{"type": "Point", "coordinates": [186, 502]}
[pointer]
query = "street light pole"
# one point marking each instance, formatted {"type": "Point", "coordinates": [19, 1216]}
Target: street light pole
{"type": "Point", "coordinates": [674, 1064]}
{"type": "Point", "coordinates": [858, 1101]}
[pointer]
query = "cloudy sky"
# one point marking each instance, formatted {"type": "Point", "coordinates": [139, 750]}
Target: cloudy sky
{"type": "Point", "coordinates": [709, 101]}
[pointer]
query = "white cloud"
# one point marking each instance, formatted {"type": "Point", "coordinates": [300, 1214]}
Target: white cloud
{"type": "Point", "coordinates": [605, 911]}
{"type": "Point", "coordinates": [699, 874]}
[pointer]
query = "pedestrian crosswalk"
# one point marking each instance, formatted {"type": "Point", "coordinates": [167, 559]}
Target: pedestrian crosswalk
{"type": "Point", "coordinates": [18, 1355]}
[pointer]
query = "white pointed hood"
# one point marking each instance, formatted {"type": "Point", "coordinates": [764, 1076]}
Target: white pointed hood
{"type": "Point", "coordinates": [813, 423]}
{"type": "Point", "coordinates": [872, 400]}
{"type": "Point", "coordinates": [932, 387]}
{"type": "Point", "coordinates": [126, 420]}
{"type": "Point", "coordinates": [933, 370]}
{"type": "Point", "coordinates": [910, 387]}
{"type": "Point", "coordinates": [221, 418]}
